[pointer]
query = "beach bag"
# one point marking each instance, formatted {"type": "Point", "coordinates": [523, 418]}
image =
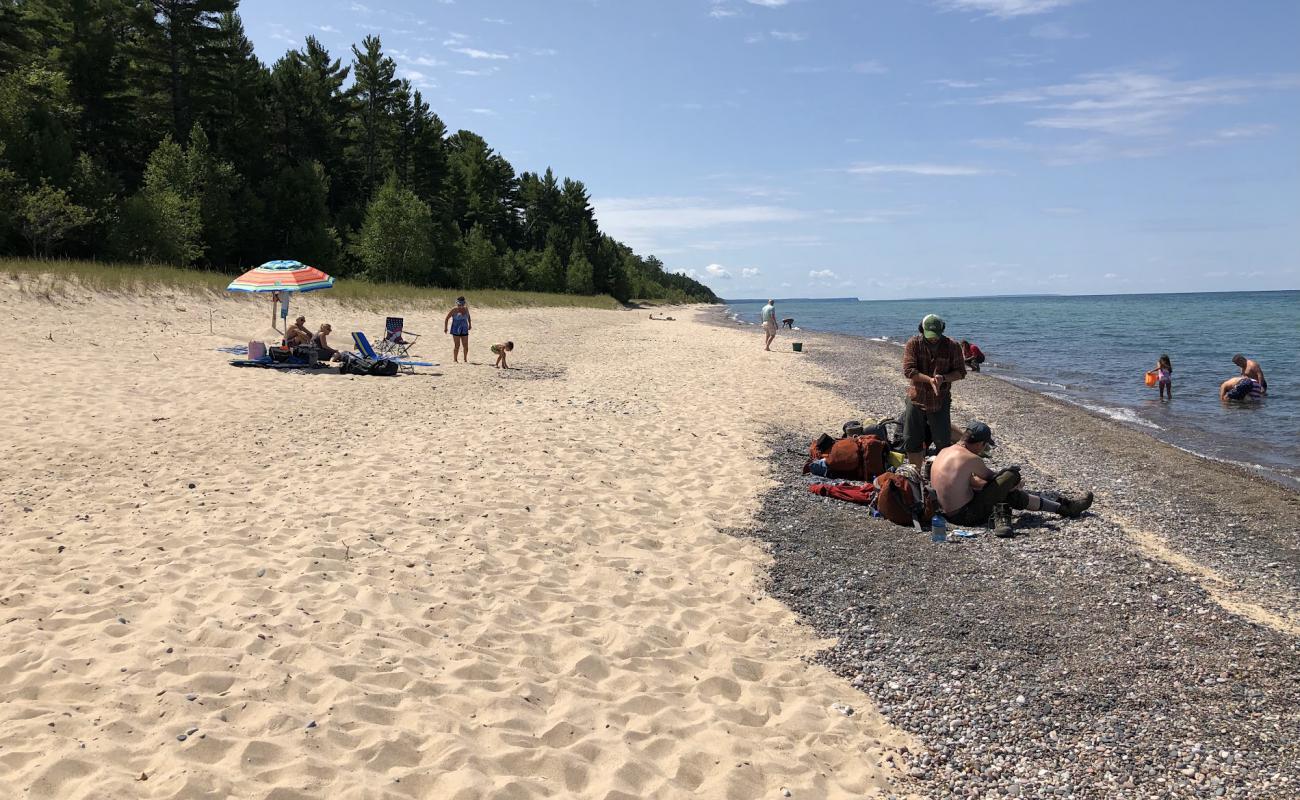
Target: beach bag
{"type": "Point", "coordinates": [383, 368]}
{"type": "Point", "coordinates": [888, 430]}
{"type": "Point", "coordinates": [853, 428]}
{"type": "Point", "coordinates": [817, 451]}
{"type": "Point", "coordinates": [902, 499]}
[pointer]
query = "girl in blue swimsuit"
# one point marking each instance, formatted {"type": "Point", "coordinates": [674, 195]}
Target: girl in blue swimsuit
{"type": "Point", "coordinates": [459, 320]}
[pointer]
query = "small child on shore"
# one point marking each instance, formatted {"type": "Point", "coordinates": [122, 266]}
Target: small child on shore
{"type": "Point", "coordinates": [1164, 377]}
{"type": "Point", "coordinates": [500, 351]}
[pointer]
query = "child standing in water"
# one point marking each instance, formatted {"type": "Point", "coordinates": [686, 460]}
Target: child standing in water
{"type": "Point", "coordinates": [500, 351]}
{"type": "Point", "coordinates": [1164, 377]}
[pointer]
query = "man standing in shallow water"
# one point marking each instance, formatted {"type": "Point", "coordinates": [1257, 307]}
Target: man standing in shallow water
{"type": "Point", "coordinates": [931, 362]}
{"type": "Point", "coordinates": [769, 323]}
{"type": "Point", "coordinates": [1250, 369]}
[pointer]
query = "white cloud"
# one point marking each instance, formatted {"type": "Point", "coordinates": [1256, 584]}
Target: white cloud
{"type": "Point", "coordinates": [474, 52]}
{"type": "Point", "coordinates": [717, 271]}
{"type": "Point", "coordinates": [958, 84]}
{"type": "Point", "coordinates": [1054, 31]}
{"type": "Point", "coordinates": [749, 272]}
{"type": "Point", "coordinates": [496, 21]}
{"type": "Point", "coordinates": [327, 28]}
{"type": "Point", "coordinates": [1235, 133]}
{"type": "Point", "coordinates": [789, 36]}
{"type": "Point", "coordinates": [1005, 9]}
{"type": "Point", "coordinates": [487, 112]}
{"type": "Point", "coordinates": [426, 61]}
{"type": "Point", "coordinates": [871, 67]}
{"type": "Point", "coordinates": [822, 275]}
{"type": "Point", "coordinates": [418, 79]}
{"type": "Point", "coordinates": [928, 170]}
{"type": "Point", "coordinates": [646, 222]}
{"type": "Point", "coordinates": [768, 3]}
{"type": "Point", "coordinates": [1110, 276]}
{"type": "Point", "coordinates": [721, 11]}
{"type": "Point", "coordinates": [477, 73]}
{"type": "Point", "coordinates": [1130, 103]}
{"type": "Point", "coordinates": [684, 213]}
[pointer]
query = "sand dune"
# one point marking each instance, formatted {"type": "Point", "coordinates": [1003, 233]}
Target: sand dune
{"type": "Point", "coordinates": [465, 583]}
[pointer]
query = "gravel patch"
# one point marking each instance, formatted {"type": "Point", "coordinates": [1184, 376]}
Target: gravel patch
{"type": "Point", "coordinates": [1065, 662]}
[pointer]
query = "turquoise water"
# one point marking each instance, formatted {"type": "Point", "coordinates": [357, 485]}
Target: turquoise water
{"type": "Point", "coordinates": [1093, 351]}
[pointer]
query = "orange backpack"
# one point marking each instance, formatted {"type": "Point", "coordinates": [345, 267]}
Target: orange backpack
{"type": "Point", "coordinates": [902, 500]}
{"type": "Point", "coordinates": [856, 458]}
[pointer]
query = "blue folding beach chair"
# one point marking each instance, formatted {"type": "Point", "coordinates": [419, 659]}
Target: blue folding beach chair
{"type": "Point", "coordinates": [367, 352]}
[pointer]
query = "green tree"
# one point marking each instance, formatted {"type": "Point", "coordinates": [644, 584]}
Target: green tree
{"type": "Point", "coordinates": [480, 265]}
{"type": "Point", "coordinates": [48, 215]}
{"type": "Point", "coordinates": [297, 216]}
{"type": "Point", "coordinates": [376, 87]}
{"type": "Point", "coordinates": [396, 241]}
{"type": "Point", "coordinates": [578, 279]}
{"type": "Point", "coordinates": [547, 273]}
{"type": "Point", "coordinates": [163, 223]}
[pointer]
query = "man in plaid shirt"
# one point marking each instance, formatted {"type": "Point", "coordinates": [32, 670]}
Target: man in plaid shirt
{"type": "Point", "coordinates": [931, 362]}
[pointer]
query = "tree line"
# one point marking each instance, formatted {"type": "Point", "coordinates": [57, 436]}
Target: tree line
{"type": "Point", "coordinates": [148, 130]}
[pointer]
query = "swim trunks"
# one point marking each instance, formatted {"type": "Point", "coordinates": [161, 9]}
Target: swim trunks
{"type": "Point", "coordinates": [1245, 389]}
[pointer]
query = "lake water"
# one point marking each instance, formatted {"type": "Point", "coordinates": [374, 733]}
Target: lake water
{"type": "Point", "coordinates": [1093, 351]}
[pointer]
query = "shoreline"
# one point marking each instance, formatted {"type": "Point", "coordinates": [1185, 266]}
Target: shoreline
{"type": "Point", "coordinates": [1104, 413]}
{"type": "Point", "coordinates": [1144, 650]}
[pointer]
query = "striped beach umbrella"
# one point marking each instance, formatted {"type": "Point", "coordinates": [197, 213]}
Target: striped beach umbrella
{"type": "Point", "coordinates": [281, 276]}
{"type": "Point", "coordinates": [275, 277]}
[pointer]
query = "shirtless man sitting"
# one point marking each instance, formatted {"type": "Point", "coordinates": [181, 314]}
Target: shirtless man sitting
{"type": "Point", "coordinates": [1250, 368]}
{"type": "Point", "coordinates": [297, 334]}
{"type": "Point", "coordinates": [969, 492]}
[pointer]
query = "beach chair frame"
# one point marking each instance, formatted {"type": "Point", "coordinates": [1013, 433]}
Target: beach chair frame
{"type": "Point", "coordinates": [397, 341]}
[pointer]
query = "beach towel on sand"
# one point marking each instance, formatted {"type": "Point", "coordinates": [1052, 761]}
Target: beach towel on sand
{"type": "Point", "coordinates": [862, 495]}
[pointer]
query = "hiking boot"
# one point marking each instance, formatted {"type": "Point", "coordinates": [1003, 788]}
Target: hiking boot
{"type": "Point", "coordinates": [1074, 508]}
{"type": "Point", "coordinates": [1002, 521]}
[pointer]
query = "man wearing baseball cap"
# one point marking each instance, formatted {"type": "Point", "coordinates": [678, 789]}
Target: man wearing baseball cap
{"type": "Point", "coordinates": [969, 492]}
{"type": "Point", "coordinates": [931, 363]}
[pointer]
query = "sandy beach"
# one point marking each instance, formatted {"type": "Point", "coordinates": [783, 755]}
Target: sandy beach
{"type": "Point", "coordinates": [463, 583]}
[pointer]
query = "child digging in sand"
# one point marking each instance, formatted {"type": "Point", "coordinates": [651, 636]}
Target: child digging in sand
{"type": "Point", "coordinates": [500, 350]}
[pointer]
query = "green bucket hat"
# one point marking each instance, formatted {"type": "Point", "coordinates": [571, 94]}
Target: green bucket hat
{"type": "Point", "coordinates": [932, 326]}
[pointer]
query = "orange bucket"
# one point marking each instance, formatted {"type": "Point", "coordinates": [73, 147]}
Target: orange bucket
{"type": "Point", "coordinates": [1151, 378]}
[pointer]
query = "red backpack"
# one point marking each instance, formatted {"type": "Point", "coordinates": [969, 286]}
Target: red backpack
{"type": "Point", "coordinates": [902, 499]}
{"type": "Point", "coordinates": [857, 458]}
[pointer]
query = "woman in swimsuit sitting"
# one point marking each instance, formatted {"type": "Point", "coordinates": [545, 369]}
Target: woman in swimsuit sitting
{"type": "Point", "coordinates": [461, 324]}
{"type": "Point", "coordinates": [320, 342]}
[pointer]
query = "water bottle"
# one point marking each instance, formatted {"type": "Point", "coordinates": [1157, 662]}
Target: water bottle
{"type": "Point", "coordinates": [938, 529]}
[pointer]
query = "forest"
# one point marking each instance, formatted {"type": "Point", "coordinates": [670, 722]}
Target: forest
{"type": "Point", "coordinates": [149, 131]}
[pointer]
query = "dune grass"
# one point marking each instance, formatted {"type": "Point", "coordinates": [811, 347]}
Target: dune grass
{"type": "Point", "coordinates": [56, 278]}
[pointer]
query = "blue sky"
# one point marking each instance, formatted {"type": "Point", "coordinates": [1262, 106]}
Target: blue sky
{"type": "Point", "coordinates": [881, 148]}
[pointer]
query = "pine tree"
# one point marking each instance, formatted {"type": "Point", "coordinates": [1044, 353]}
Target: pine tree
{"type": "Point", "coordinates": [377, 96]}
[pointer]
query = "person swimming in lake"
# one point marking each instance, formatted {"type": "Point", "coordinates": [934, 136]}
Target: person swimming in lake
{"type": "Point", "coordinates": [500, 350]}
{"type": "Point", "coordinates": [461, 324]}
{"type": "Point", "coordinates": [1240, 389]}
{"type": "Point", "coordinates": [1164, 377]}
{"type": "Point", "coordinates": [1250, 368]}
